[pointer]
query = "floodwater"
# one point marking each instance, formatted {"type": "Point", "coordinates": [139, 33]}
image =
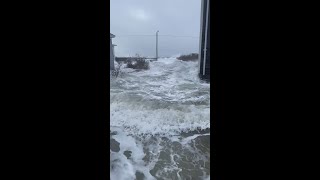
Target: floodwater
{"type": "Point", "coordinates": [160, 123]}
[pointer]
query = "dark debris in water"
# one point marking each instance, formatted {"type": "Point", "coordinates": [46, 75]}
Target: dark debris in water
{"type": "Point", "coordinates": [127, 154]}
{"type": "Point", "coordinates": [113, 133]}
{"type": "Point", "coordinates": [114, 145]}
{"type": "Point", "coordinates": [198, 131]}
{"type": "Point", "coordinates": [139, 175]}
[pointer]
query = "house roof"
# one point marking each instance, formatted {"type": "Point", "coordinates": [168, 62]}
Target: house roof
{"type": "Point", "coordinates": [112, 36]}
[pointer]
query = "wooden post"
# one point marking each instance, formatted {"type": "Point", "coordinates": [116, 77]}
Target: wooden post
{"type": "Point", "coordinates": [157, 45]}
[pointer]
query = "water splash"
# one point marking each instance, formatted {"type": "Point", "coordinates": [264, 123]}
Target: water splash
{"type": "Point", "coordinates": [155, 117]}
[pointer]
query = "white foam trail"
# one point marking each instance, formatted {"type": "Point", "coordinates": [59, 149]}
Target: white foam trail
{"type": "Point", "coordinates": [160, 102]}
{"type": "Point", "coordinates": [126, 168]}
{"type": "Point", "coordinates": [190, 138]}
{"type": "Point", "coordinates": [162, 99]}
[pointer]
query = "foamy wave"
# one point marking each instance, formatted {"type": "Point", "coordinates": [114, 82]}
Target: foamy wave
{"type": "Point", "coordinates": [142, 120]}
{"type": "Point", "coordinates": [167, 98]}
{"type": "Point", "coordinates": [150, 111]}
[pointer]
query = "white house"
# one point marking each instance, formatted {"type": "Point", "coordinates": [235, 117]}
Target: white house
{"type": "Point", "coordinates": [112, 56]}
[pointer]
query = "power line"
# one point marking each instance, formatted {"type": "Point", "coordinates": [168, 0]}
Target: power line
{"type": "Point", "coordinates": [180, 36]}
{"type": "Point", "coordinates": [145, 35]}
{"type": "Point", "coordinates": [132, 35]}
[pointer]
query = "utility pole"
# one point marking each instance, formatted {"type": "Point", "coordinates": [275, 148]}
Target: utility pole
{"type": "Point", "coordinates": [157, 45]}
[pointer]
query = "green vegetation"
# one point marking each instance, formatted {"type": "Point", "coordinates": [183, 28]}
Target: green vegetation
{"type": "Point", "coordinates": [189, 57]}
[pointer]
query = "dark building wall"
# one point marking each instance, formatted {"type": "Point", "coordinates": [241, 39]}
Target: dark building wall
{"type": "Point", "coordinates": [112, 57]}
{"type": "Point", "coordinates": [204, 54]}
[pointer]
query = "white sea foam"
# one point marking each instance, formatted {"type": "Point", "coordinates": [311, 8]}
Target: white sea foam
{"type": "Point", "coordinates": [146, 106]}
{"type": "Point", "coordinates": [162, 99]}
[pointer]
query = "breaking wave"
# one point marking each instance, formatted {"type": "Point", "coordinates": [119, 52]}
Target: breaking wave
{"type": "Point", "coordinates": [160, 122]}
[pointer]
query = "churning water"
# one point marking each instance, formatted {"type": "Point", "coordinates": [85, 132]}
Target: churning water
{"type": "Point", "coordinates": [160, 124]}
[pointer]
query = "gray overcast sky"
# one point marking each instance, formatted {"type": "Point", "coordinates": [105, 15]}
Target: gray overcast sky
{"type": "Point", "coordinates": [145, 17]}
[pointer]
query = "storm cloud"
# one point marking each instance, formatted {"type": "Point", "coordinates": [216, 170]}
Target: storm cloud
{"type": "Point", "coordinates": [135, 22]}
